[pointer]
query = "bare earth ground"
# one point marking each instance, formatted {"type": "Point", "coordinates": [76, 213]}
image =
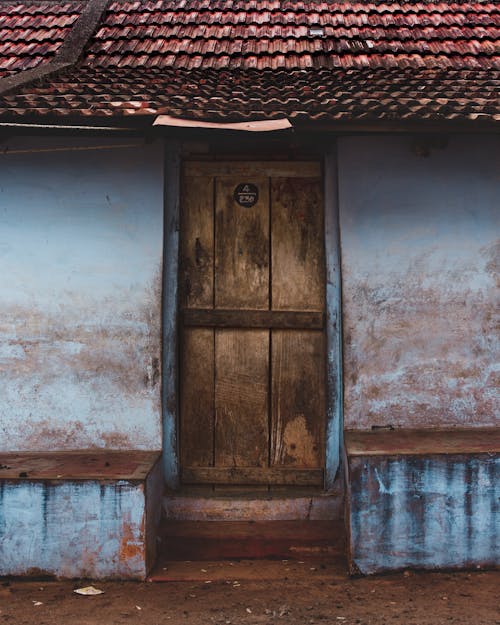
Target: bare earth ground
{"type": "Point", "coordinates": [260, 592]}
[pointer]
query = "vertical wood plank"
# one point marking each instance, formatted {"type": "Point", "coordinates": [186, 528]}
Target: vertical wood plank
{"type": "Point", "coordinates": [241, 398]}
{"type": "Point", "coordinates": [334, 416]}
{"type": "Point", "coordinates": [239, 360]}
{"type": "Point", "coordinates": [298, 398]}
{"type": "Point", "coordinates": [242, 247]}
{"type": "Point", "coordinates": [298, 256]}
{"type": "Point", "coordinates": [197, 398]}
{"type": "Point", "coordinates": [197, 243]}
{"type": "Point", "coordinates": [169, 314]}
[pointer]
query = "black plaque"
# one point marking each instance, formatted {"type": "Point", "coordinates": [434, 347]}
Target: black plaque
{"type": "Point", "coordinates": [246, 194]}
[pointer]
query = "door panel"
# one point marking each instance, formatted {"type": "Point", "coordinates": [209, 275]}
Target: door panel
{"type": "Point", "coordinates": [298, 275]}
{"type": "Point", "coordinates": [197, 243]}
{"type": "Point", "coordinates": [241, 398]}
{"type": "Point", "coordinates": [197, 398]}
{"type": "Point", "coordinates": [253, 300]}
{"type": "Point", "coordinates": [298, 397]}
{"type": "Point", "coordinates": [242, 248]}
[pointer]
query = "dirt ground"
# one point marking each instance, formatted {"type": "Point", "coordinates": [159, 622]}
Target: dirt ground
{"type": "Point", "coordinates": [294, 593]}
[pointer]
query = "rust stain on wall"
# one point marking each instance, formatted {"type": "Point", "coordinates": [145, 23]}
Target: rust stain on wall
{"type": "Point", "coordinates": [131, 545]}
{"type": "Point", "coordinates": [69, 521]}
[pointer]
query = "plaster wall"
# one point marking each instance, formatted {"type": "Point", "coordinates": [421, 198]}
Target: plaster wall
{"type": "Point", "coordinates": [420, 281]}
{"type": "Point", "coordinates": [73, 529]}
{"type": "Point", "coordinates": [424, 512]}
{"type": "Point", "coordinates": [80, 294]}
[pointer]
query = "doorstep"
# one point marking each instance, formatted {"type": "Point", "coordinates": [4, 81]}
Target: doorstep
{"type": "Point", "coordinates": [237, 573]}
{"type": "Point", "coordinates": [237, 540]}
{"type": "Point", "coordinates": [257, 505]}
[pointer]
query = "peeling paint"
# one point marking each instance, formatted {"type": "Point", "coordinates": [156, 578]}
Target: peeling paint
{"type": "Point", "coordinates": [420, 283]}
{"type": "Point", "coordinates": [132, 541]}
{"type": "Point", "coordinates": [424, 512]}
{"type": "Point", "coordinates": [74, 535]}
{"type": "Point", "coordinates": [80, 323]}
{"type": "Point", "coordinates": [81, 527]}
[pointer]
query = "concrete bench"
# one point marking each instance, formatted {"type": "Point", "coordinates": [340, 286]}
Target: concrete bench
{"type": "Point", "coordinates": [424, 499]}
{"type": "Point", "coordinates": [78, 514]}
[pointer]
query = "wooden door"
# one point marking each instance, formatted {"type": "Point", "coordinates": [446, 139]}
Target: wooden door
{"type": "Point", "coordinates": [252, 294]}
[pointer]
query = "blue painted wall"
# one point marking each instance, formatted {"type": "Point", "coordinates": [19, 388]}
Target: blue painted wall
{"type": "Point", "coordinates": [420, 281]}
{"type": "Point", "coordinates": [80, 289]}
{"type": "Point", "coordinates": [73, 529]}
{"type": "Point", "coordinates": [80, 295]}
{"type": "Point", "coordinates": [424, 512]}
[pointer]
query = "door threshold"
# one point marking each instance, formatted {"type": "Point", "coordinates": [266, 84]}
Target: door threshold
{"type": "Point", "coordinates": [249, 492]}
{"type": "Point", "coordinates": [255, 505]}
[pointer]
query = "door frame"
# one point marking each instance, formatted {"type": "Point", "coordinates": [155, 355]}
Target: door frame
{"type": "Point", "coordinates": [170, 378]}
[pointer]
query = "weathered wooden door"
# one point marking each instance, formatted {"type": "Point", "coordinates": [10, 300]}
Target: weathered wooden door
{"type": "Point", "coordinates": [252, 293]}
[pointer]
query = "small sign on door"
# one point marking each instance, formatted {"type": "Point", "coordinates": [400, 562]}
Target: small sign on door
{"type": "Point", "coordinates": [246, 194]}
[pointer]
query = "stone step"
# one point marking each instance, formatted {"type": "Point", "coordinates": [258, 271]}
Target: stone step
{"type": "Point", "coordinates": [236, 573]}
{"type": "Point", "coordinates": [254, 506]}
{"type": "Point", "coordinates": [236, 540]}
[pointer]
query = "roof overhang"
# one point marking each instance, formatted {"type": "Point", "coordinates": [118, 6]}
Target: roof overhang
{"type": "Point", "coordinates": [256, 131]}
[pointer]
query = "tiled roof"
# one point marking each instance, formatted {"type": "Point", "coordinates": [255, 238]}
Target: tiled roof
{"type": "Point", "coordinates": [32, 32]}
{"type": "Point", "coordinates": [256, 59]}
{"type": "Point", "coordinates": [276, 33]}
{"type": "Point", "coordinates": [237, 95]}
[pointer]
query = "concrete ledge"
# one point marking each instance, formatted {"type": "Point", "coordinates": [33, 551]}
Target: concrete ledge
{"type": "Point", "coordinates": [412, 503]}
{"type": "Point", "coordinates": [422, 442]}
{"type": "Point", "coordinates": [79, 514]}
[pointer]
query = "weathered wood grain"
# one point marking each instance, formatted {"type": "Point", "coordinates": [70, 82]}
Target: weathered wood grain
{"type": "Point", "coordinates": [197, 405]}
{"type": "Point", "coordinates": [197, 243]}
{"type": "Point", "coordinates": [298, 258]}
{"type": "Point", "coordinates": [242, 247]}
{"type": "Point", "coordinates": [253, 319]}
{"type": "Point", "coordinates": [241, 398]}
{"type": "Point", "coordinates": [239, 295]}
{"type": "Point", "coordinates": [298, 399]}
{"type": "Point", "coordinates": [252, 475]}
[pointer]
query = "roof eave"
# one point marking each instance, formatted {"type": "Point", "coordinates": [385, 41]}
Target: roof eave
{"type": "Point", "coordinates": [143, 124]}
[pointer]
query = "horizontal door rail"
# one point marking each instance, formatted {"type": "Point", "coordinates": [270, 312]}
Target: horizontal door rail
{"type": "Point", "coordinates": [252, 475]}
{"type": "Point", "coordinates": [293, 320]}
{"type": "Point", "coordinates": [267, 169]}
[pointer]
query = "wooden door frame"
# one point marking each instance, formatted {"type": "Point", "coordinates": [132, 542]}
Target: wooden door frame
{"type": "Point", "coordinates": [170, 399]}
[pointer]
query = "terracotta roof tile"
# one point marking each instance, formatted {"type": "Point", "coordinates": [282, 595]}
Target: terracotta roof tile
{"type": "Point", "coordinates": [240, 59]}
{"type": "Point", "coordinates": [235, 33]}
{"type": "Point", "coordinates": [31, 32]}
{"type": "Point", "coordinates": [237, 95]}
